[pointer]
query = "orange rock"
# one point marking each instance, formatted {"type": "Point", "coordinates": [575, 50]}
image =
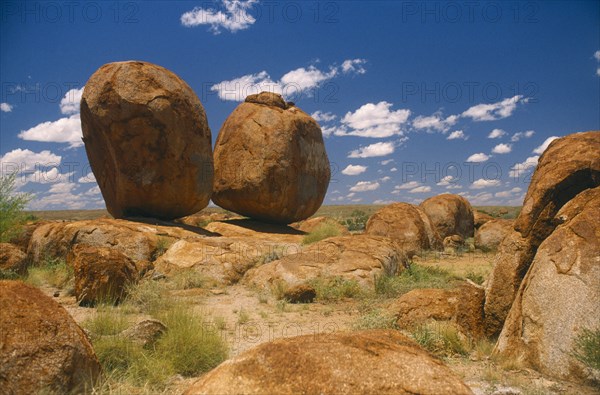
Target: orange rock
{"type": "Point", "coordinates": [489, 236]}
{"type": "Point", "coordinates": [450, 215]}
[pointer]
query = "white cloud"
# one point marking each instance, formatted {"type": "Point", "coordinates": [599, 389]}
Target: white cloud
{"type": "Point", "coordinates": [597, 55]}
{"type": "Point", "coordinates": [407, 185]}
{"type": "Point", "coordinates": [496, 134]}
{"type": "Point", "coordinates": [374, 120]}
{"type": "Point", "coordinates": [235, 17]}
{"type": "Point", "coordinates": [518, 169]}
{"type": "Point", "coordinates": [540, 150]}
{"type": "Point", "coordinates": [92, 191]}
{"type": "Point", "coordinates": [421, 189]}
{"type": "Point", "coordinates": [363, 186]}
{"type": "Point", "coordinates": [5, 107]}
{"type": "Point", "coordinates": [479, 157]}
{"type": "Point", "coordinates": [502, 149]}
{"type": "Point", "coordinates": [508, 194]}
{"type": "Point", "coordinates": [385, 179]}
{"type": "Point", "coordinates": [65, 130]}
{"type": "Point", "coordinates": [434, 122]}
{"type": "Point", "coordinates": [519, 135]}
{"type": "Point", "coordinates": [483, 183]}
{"type": "Point", "coordinates": [457, 135]}
{"type": "Point", "coordinates": [291, 83]}
{"type": "Point", "coordinates": [386, 162]}
{"type": "Point", "coordinates": [445, 181]}
{"type": "Point", "coordinates": [88, 178]}
{"type": "Point", "coordinates": [62, 187]}
{"type": "Point", "coordinates": [354, 170]}
{"type": "Point", "coordinates": [354, 65]}
{"type": "Point", "coordinates": [26, 160]}
{"type": "Point", "coordinates": [372, 150]}
{"type": "Point", "coordinates": [494, 111]}
{"type": "Point", "coordinates": [393, 170]}
{"type": "Point", "coordinates": [48, 176]}
{"type": "Point", "coordinates": [455, 186]}
{"type": "Point", "coordinates": [383, 202]}
{"type": "Point", "coordinates": [69, 104]}
{"type": "Point", "coordinates": [320, 116]}
{"type": "Point", "coordinates": [598, 71]}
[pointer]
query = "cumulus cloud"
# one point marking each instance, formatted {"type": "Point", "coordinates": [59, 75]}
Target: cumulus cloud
{"type": "Point", "coordinates": [62, 187]}
{"type": "Point", "coordinates": [385, 179]}
{"type": "Point", "coordinates": [445, 181]}
{"type": "Point", "coordinates": [291, 83]}
{"type": "Point", "coordinates": [540, 150]}
{"type": "Point", "coordinates": [373, 120]}
{"type": "Point", "coordinates": [354, 170]}
{"type": "Point", "coordinates": [509, 193]}
{"type": "Point", "coordinates": [5, 107]}
{"type": "Point", "coordinates": [87, 179]}
{"type": "Point", "coordinates": [597, 56]}
{"type": "Point", "coordinates": [435, 122]}
{"type": "Point", "coordinates": [373, 150]}
{"type": "Point", "coordinates": [494, 111]}
{"type": "Point", "coordinates": [320, 116]}
{"type": "Point", "coordinates": [496, 134]}
{"type": "Point", "coordinates": [386, 162]}
{"type": "Point", "coordinates": [421, 189]}
{"type": "Point", "coordinates": [479, 157]}
{"type": "Point", "coordinates": [520, 135]}
{"type": "Point", "coordinates": [383, 202]}
{"type": "Point", "coordinates": [65, 130]}
{"type": "Point", "coordinates": [502, 149]}
{"type": "Point", "coordinates": [354, 66]}
{"type": "Point", "coordinates": [363, 186]}
{"type": "Point", "coordinates": [233, 18]}
{"type": "Point", "coordinates": [457, 135]}
{"type": "Point", "coordinates": [520, 168]}
{"type": "Point", "coordinates": [483, 183]}
{"type": "Point", "coordinates": [407, 185]}
{"type": "Point", "coordinates": [27, 161]}
{"type": "Point", "coordinates": [69, 104]}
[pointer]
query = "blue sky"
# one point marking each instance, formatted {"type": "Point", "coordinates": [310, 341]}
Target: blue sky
{"type": "Point", "coordinates": [414, 98]}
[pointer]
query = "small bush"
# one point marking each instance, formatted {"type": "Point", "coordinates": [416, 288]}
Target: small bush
{"type": "Point", "coordinates": [357, 221]}
{"type": "Point", "coordinates": [323, 231]}
{"type": "Point", "coordinates": [441, 339]}
{"type": "Point", "coordinates": [188, 279]}
{"type": "Point", "coordinates": [54, 272]}
{"type": "Point", "coordinates": [336, 288]}
{"type": "Point", "coordinates": [162, 245]}
{"type": "Point", "coordinates": [9, 275]}
{"type": "Point", "coordinates": [106, 322]}
{"type": "Point", "coordinates": [11, 208]}
{"type": "Point", "coordinates": [117, 354]}
{"type": "Point", "coordinates": [477, 278]}
{"type": "Point", "coordinates": [375, 319]}
{"type": "Point", "coordinates": [148, 297]}
{"type": "Point", "coordinates": [415, 276]}
{"type": "Point", "coordinates": [587, 348]}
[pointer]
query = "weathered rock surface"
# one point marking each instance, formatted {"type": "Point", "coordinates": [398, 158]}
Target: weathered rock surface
{"type": "Point", "coordinates": [367, 362]}
{"type": "Point", "coordinates": [407, 225]}
{"type": "Point", "coordinates": [145, 332]}
{"type": "Point", "coordinates": [202, 219]}
{"type": "Point", "coordinates": [311, 224]}
{"type": "Point", "coordinates": [357, 258]}
{"type": "Point", "coordinates": [568, 166]}
{"type": "Point", "coordinates": [102, 274]}
{"type": "Point", "coordinates": [560, 295]}
{"type": "Point", "coordinates": [489, 236]}
{"type": "Point", "coordinates": [12, 258]}
{"type": "Point", "coordinates": [147, 140]}
{"type": "Point", "coordinates": [42, 349]}
{"type": "Point", "coordinates": [454, 242]}
{"type": "Point", "coordinates": [270, 161]}
{"type": "Point", "coordinates": [480, 218]}
{"type": "Point", "coordinates": [248, 228]}
{"type": "Point", "coordinates": [450, 215]}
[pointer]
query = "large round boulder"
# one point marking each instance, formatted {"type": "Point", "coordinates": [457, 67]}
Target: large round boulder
{"type": "Point", "coordinates": [147, 140]}
{"type": "Point", "coordinates": [407, 225]}
{"type": "Point", "coordinates": [42, 349]}
{"type": "Point", "coordinates": [270, 161]}
{"type": "Point", "coordinates": [450, 215]}
{"type": "Point", "coordinates": [489, 236]}
{"type": "Point", "coordinates": [367, 362]}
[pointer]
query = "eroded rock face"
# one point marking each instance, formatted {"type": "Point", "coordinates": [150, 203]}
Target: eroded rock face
{"type": "Point", "coordinates": [147, 140]}
{"type": "Point", "coordinates": [313, 223]}
{"type": "Point", "coordinates": [407, 225]}
{"type": "Point", "coordinates": [489, 236]}
{"type": "Point", "coordinates": [12, 258]}
{"type": "Point", "coordinates": [480, 218]}
{"type": "Point", "coordinates": [559, 296]}
{"type": "Point", "coordinates": [450, 215]}
{"type": "Point", "coordinates": [43, 350]}
{"type": "Point", "coordinates": [358, 258]}
{"type": "Point", "coordinates": [102, 274]}
{"type": "Point", "coordinates": [270, 161]}
{"type": "Point", "coordinates": [366, 362]}
{"type": "Point", "coordinates": [569, 166]}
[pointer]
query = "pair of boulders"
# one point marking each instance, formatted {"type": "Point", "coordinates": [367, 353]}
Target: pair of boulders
{"type": "Point", "coordinates": [149, 145]}
{"type": "Point", "coordinates": [424, 227]}
{"type": "Point", "coordinates": [543, 290]}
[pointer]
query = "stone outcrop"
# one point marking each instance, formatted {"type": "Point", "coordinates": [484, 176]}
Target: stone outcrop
{"type": "Point", "coordinates": [450, 215]}
{"type": "Point", "coordinates": [489, 236]}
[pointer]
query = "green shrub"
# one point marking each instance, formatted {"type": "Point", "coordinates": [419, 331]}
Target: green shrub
{"type": "Point", "coordinates": [375, 319]}
{"type": "Point", "coordinates": [54, 272]}
{"type": "Point", "coordinates": [337, 288]}
{"type": "Point", "coordinates": [9, 275]}
{"type": "Point", "coordinates": [188, 279]}
{"type": "Point", "coordinates": [106, 322]}
{"type": "Point", "coordinates": [587, 348]}
{"type": "Point", "coordinates": [117, 354]}
{"type": "Point", "coordinates": [441, 339]}
{"type": "Point", "coordinates": [323, 231]}
{"type": "Point", "coordinates": [357, 221]}
{"type": "Point", "coordinates": [11, 208]}
{"type": "Point", "coordinates": [415, 276]}
{"type": "Point", "coordinates": [477, 278]}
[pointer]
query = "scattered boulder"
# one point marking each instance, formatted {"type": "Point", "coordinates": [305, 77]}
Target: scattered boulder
{"type": "Point", "coordinates": [147, 140]}
{"type": "Point", "coordinates": [568, 166]}
{"type": "Point", "coordinates": [12, 258]}
{"type": "Point", "coordinates": [311, 224]}
{"type": "Point", "coordinates": [489, 236]}
{"type": "Point", "coordinates": [42, 349]}
{"type": "Point", "coordinates": [454, 242]}
{"type": "Point", "coordinates": [145, 332]}
{"type": "Point", "coordinates": [358, 258]}
{"type": "Point", "coordinates": [450, 215]}
{"type": "Point", "coordinates": [559, 296]}
{"type": "Point", "coordinates": [373, 362]}
{"type": "Point", "coordinates": [407, 225]}
{"type": "Point", "coordinates": [102, 274]}
{"type": "Point", "coordinates": [270, 161]}
{"type": "Point", "coordinates": [480, 218]}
